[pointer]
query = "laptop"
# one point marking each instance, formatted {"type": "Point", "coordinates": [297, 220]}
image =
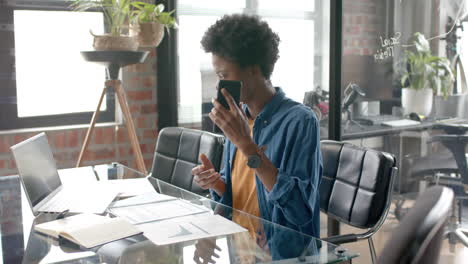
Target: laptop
{"type": "Point", "coordinates": [43, 187]}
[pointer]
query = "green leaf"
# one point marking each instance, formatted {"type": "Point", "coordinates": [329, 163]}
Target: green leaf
{"type": "Point", "coordinates": [424, 70]}
{"type": "Point", "coordinates": [404, 79]}
{"type": "Point", "coordinates": [117, 12]}
{"type": "Point", "coordinates": [421, 43]}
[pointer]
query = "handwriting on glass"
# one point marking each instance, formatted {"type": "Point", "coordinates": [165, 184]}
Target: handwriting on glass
{"type": "Point", "coordinates": [387, 47]}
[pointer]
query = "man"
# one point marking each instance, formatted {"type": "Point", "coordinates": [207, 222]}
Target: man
{"type": "Point", "coordinates": [272, 160]}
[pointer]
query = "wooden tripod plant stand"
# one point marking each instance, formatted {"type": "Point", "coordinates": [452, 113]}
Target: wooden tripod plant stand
{"type": "Point", "coordinates": [114, 60]}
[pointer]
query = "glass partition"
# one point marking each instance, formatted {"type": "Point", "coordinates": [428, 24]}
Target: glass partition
{"type": "Point", "coordinates": [402, 75]}
{"type": "Point", "coordinates": [404, 90]}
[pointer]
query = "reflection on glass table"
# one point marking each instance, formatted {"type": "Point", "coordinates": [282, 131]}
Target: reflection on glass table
{"type": "Point", "coordinates": [19, 243]}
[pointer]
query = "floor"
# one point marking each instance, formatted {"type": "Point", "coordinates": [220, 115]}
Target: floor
{"type": "Point", "coordinates": [459, 255]}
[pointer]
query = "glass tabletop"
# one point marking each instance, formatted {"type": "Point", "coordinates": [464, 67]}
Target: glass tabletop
{"type": "Point", "coordinates": [20, 244]}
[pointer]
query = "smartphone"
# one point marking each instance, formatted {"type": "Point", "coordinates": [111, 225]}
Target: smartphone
{"type": "Point", "coordinates": [233, 88]}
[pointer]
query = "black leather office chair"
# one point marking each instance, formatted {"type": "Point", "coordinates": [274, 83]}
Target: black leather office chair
{"type": "Point", "coordinates": [418, 238]}
{"type": "Point", "coordinates": [440, 168]}
{"type": "Point", "coordinates": [177, 152]}
{"type": "Point", "coordinates": [455, 140]}
{"type": "Point", "coordinates": [356, 188]}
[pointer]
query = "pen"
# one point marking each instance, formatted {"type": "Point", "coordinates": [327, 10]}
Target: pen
{"type": "Point", "coordinates": [95, 173]}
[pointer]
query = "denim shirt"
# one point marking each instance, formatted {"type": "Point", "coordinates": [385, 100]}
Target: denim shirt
{"type": "Point", "coordinates": [290, 132]}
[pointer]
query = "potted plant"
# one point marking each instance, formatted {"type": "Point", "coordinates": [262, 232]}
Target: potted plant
{"type": "Point", "coordinates": [149, 22]}
{"type": "Point", "coordinates": [117, 14]}
{"type": "Point", "coordinates": [423, 75]}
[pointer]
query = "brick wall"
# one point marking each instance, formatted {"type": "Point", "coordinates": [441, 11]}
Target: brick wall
{"type": "Point", "coordinates": [10, 205]}
{"type": "Point", "coordinates": [109, 143]}
{"type": "Point", "coordinates": [362, 22]}
{"type": "Point", "coordinates": [363, 25]}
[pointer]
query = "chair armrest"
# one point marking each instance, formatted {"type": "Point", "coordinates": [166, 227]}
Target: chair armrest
{"type": "Point", "coordinates": [341, 239]}
{"type": "Point", "coordinates": [449, 138]}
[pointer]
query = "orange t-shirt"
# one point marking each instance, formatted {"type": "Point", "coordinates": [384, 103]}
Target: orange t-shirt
{"type": "Point", "coordinates": [244, 192]}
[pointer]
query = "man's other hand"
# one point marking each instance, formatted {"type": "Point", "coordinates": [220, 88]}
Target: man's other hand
{"type": "Point", "coordinates": [207, 177]}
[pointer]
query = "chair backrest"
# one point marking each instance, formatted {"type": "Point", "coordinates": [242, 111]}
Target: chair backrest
{"type": "Point", "coordinates": [419, 236]}
{"type": "Point", "coordinates": [177, 152]}
{"type": "Point", "coordinates": [456, 143]}
{"type": "Point", "coordinates": [356, 183]}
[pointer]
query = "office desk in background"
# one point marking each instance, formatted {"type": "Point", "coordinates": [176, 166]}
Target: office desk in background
{"type": "Point", "coordinates": [20, 244]}
{"type": "Point", "coordinates": [367, 131]}
{"type": "Point", "coordinates": [403, 142]}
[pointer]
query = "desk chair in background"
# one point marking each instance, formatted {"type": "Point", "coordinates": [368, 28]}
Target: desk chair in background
{"type": "Point", "coordinates": [352, 92]}
{"type": "Point", "coordinates": [356, 188]}
{"type": "Point", "coordinates": [418, 238]}
{"type": "Point", "coordinates": [449, 169]}
{"type": "Point", "coordinates": [177, 152]}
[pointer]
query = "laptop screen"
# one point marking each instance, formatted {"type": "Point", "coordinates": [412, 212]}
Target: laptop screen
{"type": "Point", "coordinates": [36, 167]}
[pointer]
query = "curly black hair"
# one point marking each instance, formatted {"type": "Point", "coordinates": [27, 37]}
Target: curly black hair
{"type": "Point", "coordinates": [245, 40]}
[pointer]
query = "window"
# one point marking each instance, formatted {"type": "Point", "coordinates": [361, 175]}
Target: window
{"type": "Point", "coordinates": [44, 79]}
{"type": "Point", "coordinates": [303, 63]}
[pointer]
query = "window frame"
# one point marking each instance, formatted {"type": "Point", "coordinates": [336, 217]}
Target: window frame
{"type": "Point", "coordinates": [9, 118]}
{"type": "Point", "coordinates": [168, 64]}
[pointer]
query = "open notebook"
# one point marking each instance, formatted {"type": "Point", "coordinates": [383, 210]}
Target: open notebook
{"type": "Point", "coordinates": [88, 230]}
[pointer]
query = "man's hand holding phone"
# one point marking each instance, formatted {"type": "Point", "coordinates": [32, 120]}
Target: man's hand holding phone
{"type": "Point", "coordinates": [233, 121]}
{"type": "Point", "coordinates": [207, 177]}
{"type": "Point", "coordinates": [234, 90]}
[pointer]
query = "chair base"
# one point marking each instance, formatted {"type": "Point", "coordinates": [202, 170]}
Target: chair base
{"type": "Point", "coordinates": [458, 235]}
{"type": "Point", "coordinates": [462, 235]}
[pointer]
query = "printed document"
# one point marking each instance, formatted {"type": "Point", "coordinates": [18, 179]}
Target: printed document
{"type": "Point", "coordinates": [189, 228]}
{"type": "Point", "coordinates": [143, 213]}
{"type": "Point", "coordinates": [128, 187]}
{"type": "Point", "coordinates": [77, 176]}
{"type": "Point", "coordinates": [151, 197]}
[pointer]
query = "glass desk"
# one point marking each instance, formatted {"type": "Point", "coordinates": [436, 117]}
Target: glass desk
{"type": "Point", "coordinates": [20, 244]}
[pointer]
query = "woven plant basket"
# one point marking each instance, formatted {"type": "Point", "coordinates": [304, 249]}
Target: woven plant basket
{"type": "Point", "coordinates": [107, 42]}
{"type": "Point", "coordinates": [149, 34]}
